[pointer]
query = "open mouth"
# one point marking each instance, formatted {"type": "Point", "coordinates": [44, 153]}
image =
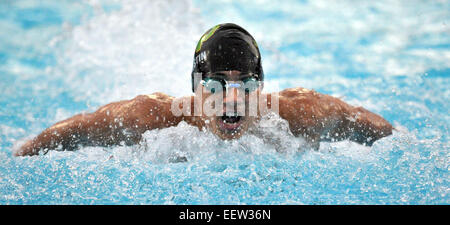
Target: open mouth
{"type": "Point", "coordinates": [231, 119]}
{"type": "Point", "coordinates": [230, 123]}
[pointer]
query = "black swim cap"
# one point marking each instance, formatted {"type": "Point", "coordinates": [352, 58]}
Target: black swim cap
{"type": "Point", "coordinates": [227, 47]}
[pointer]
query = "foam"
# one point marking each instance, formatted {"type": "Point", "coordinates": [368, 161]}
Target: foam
{"type": "Point", "coordinates": [142, 48]}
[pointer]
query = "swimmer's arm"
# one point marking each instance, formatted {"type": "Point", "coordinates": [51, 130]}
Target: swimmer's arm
{"type": "Point", "coordinates": [319, 117]}
{"type": "Point", "coordinates": [113, 124]}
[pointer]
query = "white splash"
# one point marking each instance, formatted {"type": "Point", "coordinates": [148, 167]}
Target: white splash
{"type": "Point", "coordinates": [144, 47]}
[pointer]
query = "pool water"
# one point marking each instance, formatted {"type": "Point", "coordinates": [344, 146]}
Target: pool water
{"type": "Point", "coordinates": [59, 58]}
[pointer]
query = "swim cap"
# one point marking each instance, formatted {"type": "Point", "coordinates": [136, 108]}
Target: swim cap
{"type": "Point", "coordinates": [227, 47]}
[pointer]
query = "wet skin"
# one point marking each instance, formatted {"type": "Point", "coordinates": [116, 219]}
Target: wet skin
{"type": "Point", "coordinates": [227, 125]}
{"type": "Point", "coordinates": [314, 116]}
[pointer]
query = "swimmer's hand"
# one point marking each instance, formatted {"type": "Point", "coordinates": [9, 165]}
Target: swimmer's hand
{"type": "Point", "coordinates": [318, 117]}
{"type": "Point", "coordinates": [117, 123]}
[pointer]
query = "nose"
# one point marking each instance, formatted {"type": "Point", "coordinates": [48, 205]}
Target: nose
{"type": "Point", "coordinates": [234, 102]}
{"type": "Point", "coordinates": [234, 95]}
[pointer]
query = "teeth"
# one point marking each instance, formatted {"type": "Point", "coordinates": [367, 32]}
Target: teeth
{"type": "Point", "coordinates": [232, 115]}
{"type": "Point", "coordinates": [231, 119]}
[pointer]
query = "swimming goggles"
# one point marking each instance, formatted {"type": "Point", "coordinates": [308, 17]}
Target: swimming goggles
{"type": "Point", "coordinates": [214, 84]}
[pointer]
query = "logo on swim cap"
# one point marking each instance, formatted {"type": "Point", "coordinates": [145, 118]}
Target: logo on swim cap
{"type": "Point", "coordinates": [205, 37]}
{"type": "Point", "coordinates": [254, 42]}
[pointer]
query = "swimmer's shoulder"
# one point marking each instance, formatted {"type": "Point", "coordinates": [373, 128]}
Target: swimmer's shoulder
{"type": "Point", "coordinates": [140, 102]}
{"type": "Point", "coordinates": [298, 92]}
{"type": "Point", "coordinates": [299, 96]}
{"type": "Point", "coordinates": [157, 102]}
{"type": "Point", "coordinates": [158, 96]}
{"type": "Point", "coordinates": [156, 109]}
{"type": "Point", "coordinates": [147, 111]}
{"type": "Point", "coordinates": [312, 98]}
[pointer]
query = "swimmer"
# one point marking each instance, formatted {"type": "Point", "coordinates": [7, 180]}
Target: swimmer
{"type": "Point", "coordinates": [227, 81]}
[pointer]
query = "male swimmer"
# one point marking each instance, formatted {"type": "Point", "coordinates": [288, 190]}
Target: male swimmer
{"type": "Point", "coordinates": [227, 79]}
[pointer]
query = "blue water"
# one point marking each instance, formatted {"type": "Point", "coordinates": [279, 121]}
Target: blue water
{"type": "Point", "coordinates": [59, 58]}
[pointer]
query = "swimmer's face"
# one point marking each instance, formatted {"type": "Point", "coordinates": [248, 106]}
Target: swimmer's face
{"type": "Point", "coordinates": [236, 102]}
